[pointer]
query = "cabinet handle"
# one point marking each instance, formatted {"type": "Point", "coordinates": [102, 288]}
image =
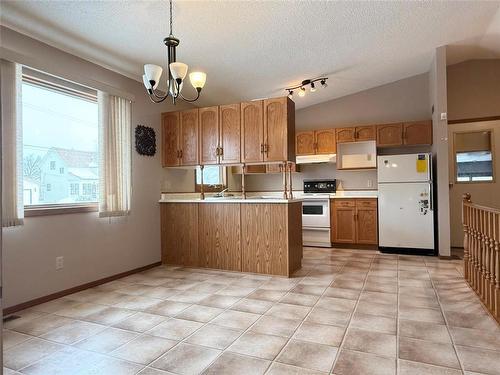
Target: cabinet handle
{"type": "Point", "coordinates": [217, 151]}
{"type": "Point", "coordinates": [262, 148]}
{"type": "Point", "coordinates": [266, 149]}
{"type": "Point", "coordinates": [221, 151]}
{"type": "Point", "coordinates": [180, 154]}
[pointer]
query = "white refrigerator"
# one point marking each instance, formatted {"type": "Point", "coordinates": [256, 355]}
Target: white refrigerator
{"type": "Point", "coordinates": [405, 203]}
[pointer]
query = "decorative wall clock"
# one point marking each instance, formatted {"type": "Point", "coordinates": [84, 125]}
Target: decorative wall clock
{"type": "Point", "coordinates": [145, 140]}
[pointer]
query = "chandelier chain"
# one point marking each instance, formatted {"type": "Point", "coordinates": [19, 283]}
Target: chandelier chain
{"type": "Point", "coordinates": [171, 17]}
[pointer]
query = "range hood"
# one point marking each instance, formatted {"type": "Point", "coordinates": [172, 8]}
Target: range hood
{"type": "Point", "coordinates": [315, 159]}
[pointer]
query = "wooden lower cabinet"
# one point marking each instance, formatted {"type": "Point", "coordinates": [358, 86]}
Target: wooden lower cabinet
{"type": "Point", "coordinates": [179, 233]}
{"type": "Point", "coordinates": [219, 236]}
{"type": "Point", "coordinates": [261, 238]}
{"type": "Point", "coordinates": [354, 221]}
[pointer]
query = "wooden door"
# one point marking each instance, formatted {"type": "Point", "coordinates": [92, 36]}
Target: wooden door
{"type": "Point", "coordinates": [230, 134]}
{"type": "Point", "coordinates": [365, 133]}
{"type": "Point", "coordinates": [325, 141]}
{"type": "Point", "coordinates": [304, 143]}
{"type": "Point", "coordinates": [390, 135]}
{"type": "Point", "coordinates": [275, 129]}
{"type": "Point", "coordinates": [170, 125]}
{"type": "Point", "coordinates": [344, 229]}
{"type": "Point", "coordinates": [179, 233]}
{"type": "Point", "coordinates": [345, 134]}
{"type": "Point", "coordinates": [209, 135]}
{"type": "Point", "coordinates": [366, 222]}
{"type": "Point", "coordinates": [417, 133]}
{"type": "Point", "coordinates": [189, 137]}
{"type": "Point", "coordinates": [252, 132]}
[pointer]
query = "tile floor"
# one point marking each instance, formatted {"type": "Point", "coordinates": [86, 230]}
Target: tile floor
{"type": "Point", "coordinates": [345, 312]}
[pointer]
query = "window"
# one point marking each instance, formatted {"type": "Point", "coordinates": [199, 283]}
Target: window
{"type": "Point", "coordinates": [74, 189]}
{"type": "Point", "coordinates": [213, 178]}
{"type": "Point", "coordinates": [473, 157]}
{"type": "Point", "coordinates": [60, 133]}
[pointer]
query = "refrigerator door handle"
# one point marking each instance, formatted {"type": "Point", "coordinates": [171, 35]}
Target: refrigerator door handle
{"type": "Point", "coordinates": [431, 193]}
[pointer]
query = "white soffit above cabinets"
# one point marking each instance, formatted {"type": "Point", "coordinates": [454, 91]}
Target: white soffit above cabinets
{"type": "Point", "coordinates": [255, 49]}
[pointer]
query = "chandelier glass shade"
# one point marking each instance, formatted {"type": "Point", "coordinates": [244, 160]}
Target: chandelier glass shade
{"type": "Point", "coordinates": [176, 73]}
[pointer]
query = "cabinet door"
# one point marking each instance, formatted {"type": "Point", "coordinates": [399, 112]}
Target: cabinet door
{"type": "Point", "coordinates": [366, 222]}
{"type": "Point", "coordinates": [230, 134]}
{"type": "Point", "coordinates": [170, 125]}
{"type": "Point", "coordinates": [179, 233]}
{"type": "Point", "coordinates": [325, 141]}
{"type": "Point", "coordinates": [189, 137]}
{"type": "Point", "coordinates": [252, 132]}
{"type": "Point", "coordinates": [275, 129]}
{"type": "Point", "coordinates": [344, 229]}
{"type": "Point", "coordinates": [304, 143]}
{"type": "Point", "coordinates": [345, 134]}
{"type": "Point", "coordinates": [274, 168]}
{"type": "Point", "coordinates": [365, 133]}
{"type": "Point", "coordinates": [417, 133]}
{"type": "Point", "coordinates": [209, 135]}
{"type": "Point", "coordinates": [390, 135]}
{"type": "Point", "coordinates": [220, 236]}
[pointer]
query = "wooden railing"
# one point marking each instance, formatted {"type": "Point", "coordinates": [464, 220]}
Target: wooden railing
{"type": "Point", "coordinates": [482, 252]}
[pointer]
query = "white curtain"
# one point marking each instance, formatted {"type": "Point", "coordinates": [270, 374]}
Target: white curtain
{"type": "Point", "coordinates": [12, 145]}
{"type": "Point", "coordinates": [114, 155]}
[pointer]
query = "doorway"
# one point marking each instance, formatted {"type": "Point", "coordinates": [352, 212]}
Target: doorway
{"type": "Point", "coordinates": [474, 152]}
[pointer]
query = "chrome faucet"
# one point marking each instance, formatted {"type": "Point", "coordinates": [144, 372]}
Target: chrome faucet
{"type": "Point", "coordinates": [220, 194]}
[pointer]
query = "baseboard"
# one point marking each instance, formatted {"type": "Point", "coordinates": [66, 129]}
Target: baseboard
{"type": "Point", "coordinates": [62, 293]}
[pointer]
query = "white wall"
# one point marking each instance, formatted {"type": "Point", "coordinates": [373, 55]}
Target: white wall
{"type": "Point", "coordinates": [93, 248]}
{"type": "Point", "coordinates": [404, 100]}
{"type": "Point", "coordinates": [437, 99]}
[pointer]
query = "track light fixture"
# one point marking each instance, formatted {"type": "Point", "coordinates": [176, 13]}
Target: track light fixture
{"type": "Point", "coordinates": [307, 82]}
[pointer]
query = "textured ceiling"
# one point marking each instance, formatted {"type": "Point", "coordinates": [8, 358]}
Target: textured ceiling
{"type": "Point", "coordinates": [254, 49]}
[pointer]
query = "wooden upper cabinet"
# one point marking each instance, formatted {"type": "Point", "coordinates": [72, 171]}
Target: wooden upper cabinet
{"type": "Point", "coordinates": [209, 135]}
{"type": "Point", "coordinates": [345, 134]}
{"type": "Point", "coordinates": [417, 133]}
{"type": "Point", "coordinates": [325, 141]}
{"type": "Point", "coordinates": [230, 134]}
{"type": "Point", "coordinates": [390, 135]}
{"type": "Point", "coordinates": [304, 143]}
{"type": "Point", "coordinates": [279, 129]}
{"type": "Point", "coordinates": [365, 133]}
{"type": "Point", "coordinates": [252, 132]}
{"type": "Point", "coordinates": [189, 137]}
{"type": "Point", "coordinates": [170, 124]}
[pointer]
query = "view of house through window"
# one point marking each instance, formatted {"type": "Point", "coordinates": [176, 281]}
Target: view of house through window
{"type": "Point", "coordinates": [212, 175]}
{"type": "Point", "coordinates": [60, 138]}
{"type": "Point", "coordinates": [473, 156]}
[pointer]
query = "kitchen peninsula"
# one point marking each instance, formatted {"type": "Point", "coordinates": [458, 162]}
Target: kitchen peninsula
{"type": "Point", "coordinates": [258, 235]}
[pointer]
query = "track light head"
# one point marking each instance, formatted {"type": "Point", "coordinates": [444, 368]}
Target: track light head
{"type": "Point", "coordinates": [302, 92]}
{"type": "Point", "coordinates": [313, 88]}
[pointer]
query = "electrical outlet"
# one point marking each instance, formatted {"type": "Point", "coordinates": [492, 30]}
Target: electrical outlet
{"type": "Point", "coordinates": [370, 183]}
{"type": "Point", "coordinates": [59, 263]}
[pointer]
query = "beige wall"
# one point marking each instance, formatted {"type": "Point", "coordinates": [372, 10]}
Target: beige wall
{"type": "Point", "coordinates": [473, 89]}
{"type": "Point", "coordinates": [437, 100]}
{"type": "Point", "coordinates": [93, 248]}
{"type": "Point", "coordinates": [403, 100]}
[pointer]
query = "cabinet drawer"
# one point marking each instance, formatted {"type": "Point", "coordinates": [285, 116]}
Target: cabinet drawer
{"type": "Point", "coordinates": [344, 202]}
{"type": "Point", "coordinates": [366, 203]}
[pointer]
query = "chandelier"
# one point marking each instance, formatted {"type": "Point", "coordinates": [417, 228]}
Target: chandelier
{"type": "Point", "coordinates": [303, 85]}
{"type": "Point", "coordinates": [176, 72]}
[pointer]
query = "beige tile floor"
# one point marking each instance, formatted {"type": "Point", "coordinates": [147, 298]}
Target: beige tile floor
{"type": "Point", "coordinates": [345, 312]}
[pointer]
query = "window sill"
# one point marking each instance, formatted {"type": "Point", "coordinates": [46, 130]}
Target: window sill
{"type": "Point", "coordinates": [59, 210]}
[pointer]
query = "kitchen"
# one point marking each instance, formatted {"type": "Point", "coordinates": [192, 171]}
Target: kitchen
{"type": "Point", "coordinates": [256, 147]}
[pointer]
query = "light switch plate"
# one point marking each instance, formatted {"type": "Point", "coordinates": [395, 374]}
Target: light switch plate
{"type": "Point", "coordinates": [444, 116]}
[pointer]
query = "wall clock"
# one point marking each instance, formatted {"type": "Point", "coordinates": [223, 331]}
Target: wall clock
{"type": "Point", "coordinates": [145, 140]}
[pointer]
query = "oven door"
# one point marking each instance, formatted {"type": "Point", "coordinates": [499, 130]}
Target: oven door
{"type": "Point", "coordinates": [316, 213]}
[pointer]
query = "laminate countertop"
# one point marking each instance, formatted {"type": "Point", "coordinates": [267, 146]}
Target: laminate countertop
{"type": "Point", "coordinates": [195, 198]}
